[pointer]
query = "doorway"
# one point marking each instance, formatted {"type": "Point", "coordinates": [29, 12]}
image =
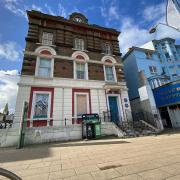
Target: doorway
{"type": "Point", "coordinates": [113, 107]}
{"type": "Point", "coordinates": [165, 117]}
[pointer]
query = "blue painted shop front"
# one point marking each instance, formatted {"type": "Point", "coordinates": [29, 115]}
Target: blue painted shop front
{"type": "Point", "coordinates": [167, 99]}
{"type": "Point", "coordinates": [167, 95]}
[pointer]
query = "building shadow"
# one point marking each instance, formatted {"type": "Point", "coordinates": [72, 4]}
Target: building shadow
{"type": "Point", "coordinates": [39, 151]}
{"type": "Point", "coordinates": [88, 143]}
{"type": "Point", "coordinates": [30, 153]}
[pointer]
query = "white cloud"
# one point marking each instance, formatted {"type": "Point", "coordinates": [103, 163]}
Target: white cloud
{"type": "Point", "coordinates": [10, 51]}
{"type": "Point", "coordinates": [62, 10]}
{"type": "Point", "coordinates": [109, 11]}
{"type": "Point", "coordinates": [13, 6]}
{"type": "Point", "coordinates": [135, 35]}
{"type": "Point", "coordinates": [19, 8]}
{"type": "Point", "coordinates": [35, 7]}
{"type": "Point", "coordinates": [154, 12]}
{"type": "Point", "coordinates": [49, 9]}
{"type": "Point", "coordinates": [8, 89]}
{"type": "Point", "coordinates": [132, 35]}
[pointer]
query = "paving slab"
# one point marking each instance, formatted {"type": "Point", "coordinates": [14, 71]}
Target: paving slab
{"type": "Point", "coordinates": [152, 157]}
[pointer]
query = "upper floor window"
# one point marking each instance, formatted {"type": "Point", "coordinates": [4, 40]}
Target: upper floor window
{"type": "Point", "coordinates": [174, 72]}
{"type": "Point", "coordinates": [168, 57]}
{"type": "Point", "coordinates": [80, 71]}
{"type": "Point", "coordinates": [79, 44]}
{"type": "Point", "coordinates": [106, 48]}
{"type": "Point", "coordinates": [45, 67]}
{"type": "Point", "coordinates": [47, 38]}
{"type": "Point", "coordinates": [175, 55]}
{"type": "Point", "coordinates": [109, 73]}
{"type": "Point", "coordinates": [152, 69]}
{"type": "Point", "coordinates": [148, 55]}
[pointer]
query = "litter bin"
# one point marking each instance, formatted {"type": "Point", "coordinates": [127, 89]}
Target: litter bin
{"type": "Point", "coordinates": [91, 126]}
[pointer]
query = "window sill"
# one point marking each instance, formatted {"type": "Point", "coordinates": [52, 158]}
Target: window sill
{"type": "Point", "coordinates": [45, 78]}
{"type": "Point", "coordinates": [108, 54]}
{"type": "Point", "coordinates": [80, 50]}
{"type": "Point", "coordinates": [110, 82]}
{"type": "Point", "coordinates": [81, 79]}
{"type": "Point", "coordinates": [46, 45]}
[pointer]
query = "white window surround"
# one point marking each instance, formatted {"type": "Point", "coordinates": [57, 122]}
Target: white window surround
{"type": "Point", "coordinates": [38, 51]}
{"type": "Point", "coordinates": [114, 73]}
{"type": "Point", "coordinates": [76, 53]}
{"type": "Point", "coordinates": [120, 107]}
{"type": "Point", "coordinates": [47, 38]}
{"type": "Point", "coordinates": [106, 48]}
{"type": "Point", "coordinates": [86, 69]}
{"type": "Point", "coordinates": [79, 44]}
{"type": "Point", "coordinates": [47, 48]}
{"type": "Point", "coordinates": [109, 64]}
{"type": "Point", "coordinates": [86, 58]}
{"type": "Point", "coordinates": [75, 102]}
{"type": "Point", "coordinates": [33, 104]}
{"type": "Point", "coordinates": [37, 67]}
{"type": "Point", "coordinates": [108, 58]}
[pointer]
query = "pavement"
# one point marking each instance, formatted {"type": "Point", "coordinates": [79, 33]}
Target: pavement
{"type": "Point", "coordinates": [152, 157]}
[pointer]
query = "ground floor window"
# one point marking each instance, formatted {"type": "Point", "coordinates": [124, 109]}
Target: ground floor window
{"type": "Point", "coordinates": [81, 104]}
{"type": "Point", "coordinates": [40, 106]}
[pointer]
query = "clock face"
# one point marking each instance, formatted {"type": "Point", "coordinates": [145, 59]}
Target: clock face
{"type": "Point", "coordinates": [78, 19]}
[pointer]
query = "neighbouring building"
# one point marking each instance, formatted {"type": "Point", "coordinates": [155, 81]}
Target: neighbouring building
{"type": "Point", "coordinates": [143, 73]}
{"type": "Point", "coordinates": [70, 67]}
{"type": "Point", "coordinates": [168, 56]}
{"type": "Point", "coordinates": [167, 99]}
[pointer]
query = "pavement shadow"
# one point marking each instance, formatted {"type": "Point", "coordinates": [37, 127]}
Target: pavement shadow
{"type": "Point", "coordinates": [171, 131]}
{"type": "Point", "coordinates": [88, 143]}
{"type": "Point", "coordinates": [30, 153]}
{"type": "Point", "coordinates": [39, 151]}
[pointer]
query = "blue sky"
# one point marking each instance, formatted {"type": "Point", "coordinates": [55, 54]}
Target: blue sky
{"type": "Point", "coordinates": [132, 17]}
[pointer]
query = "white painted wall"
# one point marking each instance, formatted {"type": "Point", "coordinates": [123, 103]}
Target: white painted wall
{"type": "Point", "coordinates": [126, 110]}
{"type": "Point", "coordinates": [23, 95]}
{"type": "Point", "coordinates": [148, 45]}
{"type": "Point", "coordinates": [68, 105]}
{"type": "Point", "coordinates": [175, 117]}
{"type": "Point", "coordinates": [109, 128]}
{"type": "Point", "coordinates": [38, 135]}
{"type": "Point", "coordinates": [63, 82]}
{"type": "Point", "coordinates": [57, 111]}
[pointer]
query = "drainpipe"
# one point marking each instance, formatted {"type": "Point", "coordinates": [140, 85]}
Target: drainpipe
{"type": "Point", "coordinates": [125, 117]}
{"type": "Point", "coordinates": [98, 100]}
{"type": "Point", "coordinates": [62, 104]}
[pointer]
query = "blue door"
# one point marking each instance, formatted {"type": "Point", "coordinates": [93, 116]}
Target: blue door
{"type": "Point", "coordinates": [113, 106]}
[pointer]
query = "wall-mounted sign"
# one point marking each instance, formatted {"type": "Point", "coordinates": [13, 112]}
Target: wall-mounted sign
{"type": "Point", "coordinates": [167, 95]}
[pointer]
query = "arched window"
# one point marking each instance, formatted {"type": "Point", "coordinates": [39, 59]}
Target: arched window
{"type": "Point", "coordinates": [109, 68]}
{"type": "Point", "coordinates": [80, 65]}
{"type": "Point", "coordinates": [45, 62]}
